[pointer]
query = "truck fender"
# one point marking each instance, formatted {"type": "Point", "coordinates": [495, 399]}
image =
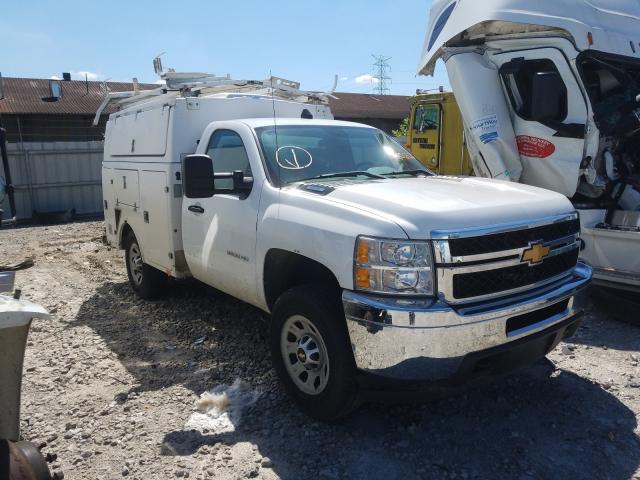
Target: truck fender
{"type": "Point", "coordinates": [284, 270]}
{"type": "Point", "coordinates": [125, 231]}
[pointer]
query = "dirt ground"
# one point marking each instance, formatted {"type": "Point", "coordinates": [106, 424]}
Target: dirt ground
{"type": "Point", "coordinates": [111, 382]}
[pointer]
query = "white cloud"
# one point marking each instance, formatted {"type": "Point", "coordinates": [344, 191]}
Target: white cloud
{"type": "Point", "coordinates": [344, 79]}
{"type": "Point", "coordinates": [366, 79]}
{"type": "Point", "coordinates": [54, 77]}
{"type": "Point", "coordinates": [89, 75]}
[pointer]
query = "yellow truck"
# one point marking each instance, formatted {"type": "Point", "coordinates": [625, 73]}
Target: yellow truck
{"type": "Point", "coordinates": [436, 134]}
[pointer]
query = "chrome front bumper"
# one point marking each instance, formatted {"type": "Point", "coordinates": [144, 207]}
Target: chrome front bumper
{"type": "Point", "coordinates": [429, 339]}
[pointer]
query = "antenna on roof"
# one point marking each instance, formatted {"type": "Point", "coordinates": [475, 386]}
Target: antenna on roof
{"type": "Point", "coordinates": [275, 126]}
{"type": "Point", "coordinates": [335, 84]}
{"type": "Point", "coordinates": [157, 64]}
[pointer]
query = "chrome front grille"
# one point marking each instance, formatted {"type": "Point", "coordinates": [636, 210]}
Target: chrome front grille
{"type": "Point", "coordinates": [486, 282]}
{"type": "Point", "coordinates": [478, 264]}
{"type": "Point", "coordinates": [497, 242]}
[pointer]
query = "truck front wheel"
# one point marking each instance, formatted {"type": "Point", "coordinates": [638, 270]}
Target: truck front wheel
{"type": "Point", "coordinates": [145, 280]}
{"type": "Point", "coordinates": [311, 351]}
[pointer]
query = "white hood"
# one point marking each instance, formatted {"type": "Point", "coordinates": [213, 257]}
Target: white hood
{"type": "Point", "coordinates": [421, 205]}
{"type": "Point", "coordinates": [613, 23]}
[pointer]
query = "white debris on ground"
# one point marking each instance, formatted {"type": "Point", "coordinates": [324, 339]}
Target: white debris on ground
{"type": "Point", "coordinates": [215, 401]}
{"type": "Point", "coordinates": [220, 409]}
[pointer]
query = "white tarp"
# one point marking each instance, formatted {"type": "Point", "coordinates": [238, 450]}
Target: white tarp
{"type": "Point", "coordinates": [493, 148]}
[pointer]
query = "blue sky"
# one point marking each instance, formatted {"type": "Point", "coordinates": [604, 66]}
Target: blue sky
{"type": "Point", "coordinates": [307, 40]}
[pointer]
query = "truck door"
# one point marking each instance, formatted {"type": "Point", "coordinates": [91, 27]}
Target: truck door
{"type": "Point", "coordinates": [219, 232]}
{"type": "Point", "coordinates": [426, 122]}
{"type": "Point", "coordinates": [549, 113]}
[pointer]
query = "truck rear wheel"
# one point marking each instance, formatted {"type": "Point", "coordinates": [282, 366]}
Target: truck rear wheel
{"type": "Point", "coordinates": [311, 351]}
{"type": "Point", "coordinates": [146, 281]}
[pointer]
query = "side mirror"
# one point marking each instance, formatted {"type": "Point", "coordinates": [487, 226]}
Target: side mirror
{"type": "Point", "coordinates": [548, 97]}
{"type": "Point", "coordinates": [241, 183]}
{"type": "Point", "coordinates": [197, 171]}
{"type": "Point", "coordinates": [235, 183]}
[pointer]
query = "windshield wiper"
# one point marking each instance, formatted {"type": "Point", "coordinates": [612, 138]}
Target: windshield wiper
{"type": "Point", "coordinates": [410, 172]}
{"type": "Point", "coordinates": [346, 174]}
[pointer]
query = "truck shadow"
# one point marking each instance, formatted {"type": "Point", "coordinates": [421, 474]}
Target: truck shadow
{"type": "Point", "coordinates": [610, 322]}
{"type": "Point", "coordinates": [531, 425]}
{"type": "Point", "coordinates": [196, 336]}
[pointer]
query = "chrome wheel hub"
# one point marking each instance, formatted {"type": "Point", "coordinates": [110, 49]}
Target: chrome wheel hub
{"type": "Point", "coordinates": [304, 354]}
{"type": "Point", "coordinates": [135, 263]}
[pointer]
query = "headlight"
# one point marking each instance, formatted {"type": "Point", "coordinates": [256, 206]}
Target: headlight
{"type": "Point", "coordinates": [393, 267]}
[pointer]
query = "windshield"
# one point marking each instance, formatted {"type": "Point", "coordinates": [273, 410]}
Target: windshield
{"type": "Point", "coordinates": [303, 152]}
{"type": "Point", "coordinates": [426, 118]}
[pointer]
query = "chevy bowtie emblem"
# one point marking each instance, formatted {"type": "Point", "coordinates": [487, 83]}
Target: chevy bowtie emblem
{"type": "Point", "coordinates": [535, 254]}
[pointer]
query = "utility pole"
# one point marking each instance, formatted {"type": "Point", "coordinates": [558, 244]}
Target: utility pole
{"type": "Point", "coordinates": [381, 73]}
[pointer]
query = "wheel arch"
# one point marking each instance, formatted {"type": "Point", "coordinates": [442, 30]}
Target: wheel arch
{"type": "Point", "coordinates": [125, 231]}
{"type": "Point", "coordinates": [284, 270]}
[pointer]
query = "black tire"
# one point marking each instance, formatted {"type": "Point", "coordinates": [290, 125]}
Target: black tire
{"type": "Point", "coordinates": [146, 281]}
{"type": "Point", "coordinates": [321, 307]}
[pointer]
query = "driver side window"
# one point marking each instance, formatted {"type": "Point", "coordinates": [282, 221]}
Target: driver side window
{"type": "Point", "coordinates": [229, 154]}
{"type": "Point", "coordinates": [536, 89]}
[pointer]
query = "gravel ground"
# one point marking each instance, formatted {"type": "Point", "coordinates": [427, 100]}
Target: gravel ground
{"type": "Point", "coordinates": [111, 381]}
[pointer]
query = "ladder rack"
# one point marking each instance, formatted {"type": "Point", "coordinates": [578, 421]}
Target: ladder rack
{"type": "Point", "coordinates": [178, 84]}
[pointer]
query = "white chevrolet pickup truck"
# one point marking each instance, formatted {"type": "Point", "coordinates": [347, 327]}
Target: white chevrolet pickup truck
{"type": "Point", "coordinates": [370, 266]}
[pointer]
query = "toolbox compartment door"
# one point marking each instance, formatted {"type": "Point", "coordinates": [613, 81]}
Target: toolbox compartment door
{"type": "Point", "coordinates": [126, 186]}
{"type": "Point", "coordinates": [156, 226]}
{"type": "Point", "coordinates": [140, 133]}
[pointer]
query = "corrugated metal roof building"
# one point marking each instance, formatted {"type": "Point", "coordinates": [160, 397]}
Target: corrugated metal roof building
{"type": "Point", "coordinates": [382, 111]}
{"type": "Point", "coordinates": [28, 117]}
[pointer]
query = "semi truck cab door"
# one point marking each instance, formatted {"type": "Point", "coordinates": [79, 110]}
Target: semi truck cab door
{"type": "Point", "coordinates": [219, 231]}
{"type": "Point", "coordinates": [426, 122]}
{"type": "Point", "coordinates": [549, 114]}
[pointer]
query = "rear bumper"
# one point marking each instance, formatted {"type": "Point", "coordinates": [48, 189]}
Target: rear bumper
{"type": "Point", "coordinates": [432, 341]}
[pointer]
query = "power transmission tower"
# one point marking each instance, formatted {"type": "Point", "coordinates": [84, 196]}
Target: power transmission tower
{"type": "Point", "coordinates": [381, 73]}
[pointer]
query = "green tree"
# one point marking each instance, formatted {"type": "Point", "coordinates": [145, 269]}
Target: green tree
{"type": "Point", "coordinates": [403, 129]}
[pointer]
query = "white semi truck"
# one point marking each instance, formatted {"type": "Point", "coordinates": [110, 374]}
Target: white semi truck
{"type": "Point", "coordinates": [371, 267]}
{"type": "Point", "coordinates": [549, 92]}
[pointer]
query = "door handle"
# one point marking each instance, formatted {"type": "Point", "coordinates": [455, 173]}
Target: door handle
{"type": "Point", "coordinates": [196, 209]}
